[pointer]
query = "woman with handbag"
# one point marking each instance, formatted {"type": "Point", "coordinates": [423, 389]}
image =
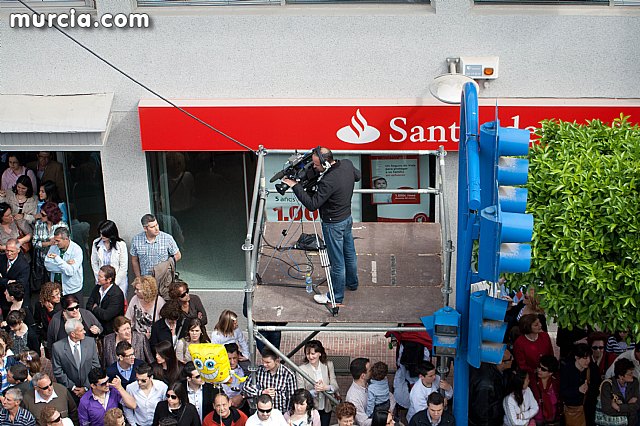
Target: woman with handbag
{"type": "Point", "coordinates": [574, 384]}
{"type": "Point", "coordinates": [618, 403]}
{"type": "Point", "coordinates": [546, 390]}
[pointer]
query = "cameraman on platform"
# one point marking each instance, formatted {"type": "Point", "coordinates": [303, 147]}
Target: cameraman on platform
{"type": "Point", "coordinates": [333, 198]}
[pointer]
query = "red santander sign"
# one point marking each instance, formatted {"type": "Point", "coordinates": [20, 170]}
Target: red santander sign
{"type": "Point", "coordinates": [348, 126]}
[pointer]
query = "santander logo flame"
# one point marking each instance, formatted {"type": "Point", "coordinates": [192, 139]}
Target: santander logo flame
{"type": "Point", "coordinates": [359, 132]}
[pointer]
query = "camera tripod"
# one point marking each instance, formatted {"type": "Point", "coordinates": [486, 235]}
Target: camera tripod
{"type": "Point", "coordinates": [325, 264]}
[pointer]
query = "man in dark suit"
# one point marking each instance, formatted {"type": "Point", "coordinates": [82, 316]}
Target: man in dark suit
{"type": "Point", "coordinates": [200, 394]}
{"type": "Point", "coordinates": [14, 267]}
{"type": "Point", "coordinates": [74, 357]}
{"type": "Point", "coordinates": [125, 366]}
{"type": "Point", "coordinates": [107, 300]}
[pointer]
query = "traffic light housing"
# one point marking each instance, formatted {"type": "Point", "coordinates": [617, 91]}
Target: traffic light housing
{"type": "Point", "coordinates": [486, 329]}
{"type": "Point", "coordinates": [444, 328]}
{"type": "Point", "coordinates": [505, 228]}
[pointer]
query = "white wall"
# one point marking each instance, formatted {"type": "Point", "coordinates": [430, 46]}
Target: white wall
{"type": "Point", "coordinates": [321, 51]}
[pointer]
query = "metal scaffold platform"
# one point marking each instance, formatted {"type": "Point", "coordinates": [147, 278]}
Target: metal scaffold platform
{"type": "Point", "coordinates": [403, 271]}
{"type": "Point", "coordinates": [399, 273]}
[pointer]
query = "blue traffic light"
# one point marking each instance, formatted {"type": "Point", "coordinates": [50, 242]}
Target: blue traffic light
{"type": "Point", "coordinates": [504, 226]}
{"type": "Point", "coordinates": [486, 329]}
{"type": "Point", "coordinates": [444, 328]}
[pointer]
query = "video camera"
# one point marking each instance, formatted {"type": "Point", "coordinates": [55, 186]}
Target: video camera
{"type": "Point", "coordinates": [299, 167]}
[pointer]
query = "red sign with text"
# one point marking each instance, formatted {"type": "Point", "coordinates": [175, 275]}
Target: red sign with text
{"type": "Point", "coordinates": [342, 127]}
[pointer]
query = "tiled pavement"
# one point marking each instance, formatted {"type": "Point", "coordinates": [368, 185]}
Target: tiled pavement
{"type": "Point", "coordinates": [368, 345]}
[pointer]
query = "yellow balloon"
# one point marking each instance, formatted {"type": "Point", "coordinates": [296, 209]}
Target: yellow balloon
{"type": "Point", "coordinates": [211, 361]}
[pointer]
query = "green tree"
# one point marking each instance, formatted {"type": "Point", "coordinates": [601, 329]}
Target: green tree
{"type": "Point", "coordinates": [584, 196]}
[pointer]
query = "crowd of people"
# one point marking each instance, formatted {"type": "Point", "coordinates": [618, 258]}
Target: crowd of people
{"type": "Point", "coordinates": [594, 381]}
{"type": "Point", "coordinates": [115, 360]}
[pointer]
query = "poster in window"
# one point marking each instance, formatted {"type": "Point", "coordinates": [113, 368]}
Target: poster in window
{"type": "Point", "coordinates": [395, 172]}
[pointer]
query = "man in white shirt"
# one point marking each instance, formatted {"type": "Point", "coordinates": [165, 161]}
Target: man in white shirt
{"type": "Point", "coordinates": [631, 355]}
{"type": "Point", "coordinates": [148, 393]}
{"type": "Point", "coordinates": [200, 394]}
{"type": "Point", "coordinates": [233, 388]}
{"type": "Point", "coordinates": [64, 262]}
{"type": "Point", "coordinates": [360, 369]}
{"type": "Point", "coordinates": [429, 382]}
{"type": "Point", "coordinates": [46, 393]}
{"type": "Point", "coordinates": [266, 415]}
{"type": "Point", "coordinates": [74, 357]}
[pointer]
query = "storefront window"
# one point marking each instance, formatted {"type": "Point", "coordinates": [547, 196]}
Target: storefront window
{"type": "Point", "coordinates": [199, 198]}
{"type": "Point", "coordinates": [77, 178]}
{"type": "Point", "coordinates": [85, 196]}
{"type": "Point", "coordinates": [398, 172]}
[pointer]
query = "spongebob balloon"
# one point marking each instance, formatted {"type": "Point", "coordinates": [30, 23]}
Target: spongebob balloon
{"type": "Point", "coordinates": [212, 361]}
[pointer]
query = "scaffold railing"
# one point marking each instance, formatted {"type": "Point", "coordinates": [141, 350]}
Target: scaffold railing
{"type": "Point", "coordinates": [255, 228]}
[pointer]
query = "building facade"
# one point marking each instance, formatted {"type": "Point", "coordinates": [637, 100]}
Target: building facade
{"type": "Point", "coordinates": [320, 54]}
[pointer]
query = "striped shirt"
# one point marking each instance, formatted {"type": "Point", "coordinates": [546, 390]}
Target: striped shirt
{"type": "Point", "coordinates": [283, 381]}
{"type": "Point", "coordinates": [3, 379]}
{"type": "Point", "coordinates": [23, 418]}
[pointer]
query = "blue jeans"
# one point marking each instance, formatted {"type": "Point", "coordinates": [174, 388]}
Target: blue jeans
{"type": "Point", "coordinates": [342, 255]}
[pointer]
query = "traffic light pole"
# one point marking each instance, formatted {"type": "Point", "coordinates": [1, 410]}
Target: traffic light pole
{"type": "Point", "coordinates": [468, 205]}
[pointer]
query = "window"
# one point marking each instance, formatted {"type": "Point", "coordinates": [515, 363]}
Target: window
{"type": "Point", "coordinates": [267, 2]}
{"type": "Point", "coordinates": [560, 2]}
{"type": "Point", "coordinates": [199, 198]}
{"type": "Point", "coordinates": [80, 189]}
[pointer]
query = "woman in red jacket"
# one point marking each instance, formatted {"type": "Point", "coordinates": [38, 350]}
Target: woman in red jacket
{"type": "Point", "coordinates": [546, 390]}
{"type": "Point", "coordinates": [531, 345]}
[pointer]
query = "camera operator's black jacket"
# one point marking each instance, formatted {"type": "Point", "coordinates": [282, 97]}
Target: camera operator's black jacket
{"type": "Point", "coordinates": [333, 196]}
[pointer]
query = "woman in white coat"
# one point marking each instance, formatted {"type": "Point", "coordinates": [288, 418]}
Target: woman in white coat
{"type": "Point", "coordinates": [110, 249]}
{"type": "Point", "coordinates": [318, 367]}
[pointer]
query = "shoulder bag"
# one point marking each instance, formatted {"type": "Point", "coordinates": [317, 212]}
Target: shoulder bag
{"type": "Point", "coordinates": [604, 419]}
{"type": "Point", "coordinates": [574, 415]}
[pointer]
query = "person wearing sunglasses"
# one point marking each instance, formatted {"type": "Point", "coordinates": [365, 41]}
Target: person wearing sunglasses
{"type": "Point", "coordinates": [103, 396]}
{"type": "Point", "coordinates": [177, 406]}
{"type": "Point", "coordinates": [148, 392]}
{"type": "Point", "coordinates": [46, 393]}
{"type": "Point", "coordinates": [487, 389]}
{"type": "Point", "coordinates": [597, 341]}
{"type": "Point", "coordinates": [71, 310]}
{"type": "Point", "coordinates": [266, 415]}
{"type": "Point", "coordinates": [49, 416]}
{"type": "Point", "coordinates": [546, 390]}
{"type": "Point", "coordinates": [191, 305]}
{"type": "Point", "coordinates": [200, 394]}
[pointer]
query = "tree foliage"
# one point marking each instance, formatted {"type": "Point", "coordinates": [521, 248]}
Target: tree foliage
{"type": "Point", "coordinates": [583, 193]}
